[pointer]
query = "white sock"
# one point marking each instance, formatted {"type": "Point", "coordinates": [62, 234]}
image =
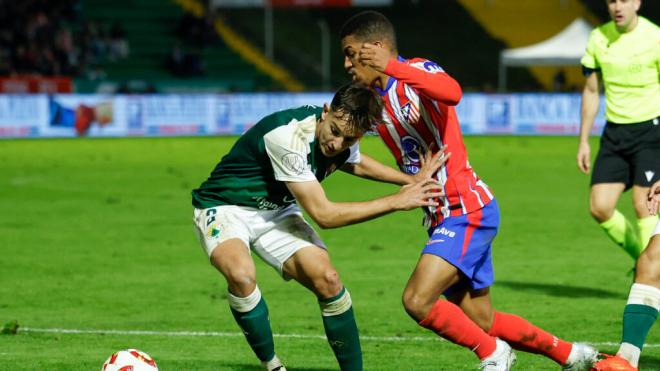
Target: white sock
{"type": "Point", "coordinates": [245, 304]}
{"type": "Point", "coordinates": [630, 353]}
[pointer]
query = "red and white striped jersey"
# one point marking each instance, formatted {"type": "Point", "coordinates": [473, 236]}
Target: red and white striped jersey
{"type": "Point", "coordinates": [419, 114]}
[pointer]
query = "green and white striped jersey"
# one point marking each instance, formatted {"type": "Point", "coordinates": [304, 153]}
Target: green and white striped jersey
{"type": "Point", "coordinates": [280, 148]}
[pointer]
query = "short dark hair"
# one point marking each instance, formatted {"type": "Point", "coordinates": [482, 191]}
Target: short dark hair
{"type": "Point", "coordinates": [369, 26]}
{"type": "Point", "coordinates": [360, 103]}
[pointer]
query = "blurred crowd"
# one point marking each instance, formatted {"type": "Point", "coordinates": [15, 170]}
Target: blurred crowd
{"type": "Point", "coordinates": [51, 38]}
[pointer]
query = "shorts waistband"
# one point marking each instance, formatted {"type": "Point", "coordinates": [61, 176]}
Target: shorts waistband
{"type": "Point", "coordinates": [653, 121]}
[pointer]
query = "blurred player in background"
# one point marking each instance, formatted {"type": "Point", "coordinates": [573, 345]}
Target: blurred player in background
{"type": "Point", "coordinates": [624, 56]}
{"type": "Point", "coordinates": [643, 301]}
{"type": "Point", "coordinates": [456, 261]}
{"type": "Point", "coordinates": [250, 204]}
{"type": "Point", "coordinates": [80, 118]}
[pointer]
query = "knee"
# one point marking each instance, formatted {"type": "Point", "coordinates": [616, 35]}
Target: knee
{"type": "Point", "coordinates": [416, 305]}
{"type": "Point", "coordinates": [241, 281]}
{"type": "Point", "coordinates": [600, 211]}
{"type": "Point", "coordinates": [327, 284]}
{"type": "Point", "coordinates": [647, 269]}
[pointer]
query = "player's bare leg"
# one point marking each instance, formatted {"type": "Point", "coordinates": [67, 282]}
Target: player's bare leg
{"type": "Point", "coordinates": [645, 221]}
{"type": "Point", "coordinates": [602, 205]}
{"type": "Point", "coordinates": [519, 333]}
{"type": "Point", "coordinates": [641, 311]}
{"type": "Point", "coordinates": [311, 267]}
{"type": "Point", "coordinates": [233, 260]}
{"type": "Point", "coordinates": [432, 276]}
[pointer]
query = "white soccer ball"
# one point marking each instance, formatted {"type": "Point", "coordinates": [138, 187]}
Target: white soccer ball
{"type": "Point", "coordinates": [130, 360]}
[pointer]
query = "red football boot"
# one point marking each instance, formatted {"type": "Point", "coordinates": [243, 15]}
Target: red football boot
{"type": "Point", "coordinates": [613, 363]}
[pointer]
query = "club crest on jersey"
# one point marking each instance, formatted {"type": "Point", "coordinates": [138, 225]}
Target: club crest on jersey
{"type": "Point", "coordinates": [411, 149]}
{"type": "Point", "coordinates": [294, 162]}
{"type": "Point", "coordinates": [410, 112]}
{"type": "Point", "coordinates": [427, 66]}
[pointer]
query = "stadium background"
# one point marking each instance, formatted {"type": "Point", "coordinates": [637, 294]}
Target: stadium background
{"type": "Point", "coordinates": [96, 248]}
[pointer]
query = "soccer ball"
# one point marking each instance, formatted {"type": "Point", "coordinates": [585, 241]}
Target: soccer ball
{"type": "Point", "coordinates": [130, 360]}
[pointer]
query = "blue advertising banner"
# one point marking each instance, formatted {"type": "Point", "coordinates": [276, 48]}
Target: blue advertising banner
{"type": "Point", "coordinates": [97, 115]}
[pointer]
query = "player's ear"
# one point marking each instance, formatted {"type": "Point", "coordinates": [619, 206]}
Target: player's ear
{"type": "Point", "coordinates": [326, 110]}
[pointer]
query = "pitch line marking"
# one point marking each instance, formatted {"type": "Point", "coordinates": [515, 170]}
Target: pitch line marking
{"type": "Point", "coordinates": [238, 334]}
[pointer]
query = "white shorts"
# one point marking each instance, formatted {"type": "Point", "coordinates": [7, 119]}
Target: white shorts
{"type": "Point", "coordinates": [657, 229]}
{"type": "Point", "coordinates": [274, 235]}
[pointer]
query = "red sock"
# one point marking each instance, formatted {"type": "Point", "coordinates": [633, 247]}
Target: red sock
{"type": "Point", "coordinates": [449, 321]}
{"type": "Point", "coordinates": [522, 335]}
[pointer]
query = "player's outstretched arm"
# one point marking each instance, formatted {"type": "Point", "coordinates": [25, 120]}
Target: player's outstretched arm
{"type": "Point", "coordinates": [372, 169]}
{"type": "Point", "coordinates": [327, 214]}
{"type": "Point", "coordinates": [590, 101]}
{"type": "Point", "coordinates": [653, 201]}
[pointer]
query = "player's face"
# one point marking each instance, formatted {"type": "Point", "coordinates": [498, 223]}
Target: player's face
{"type": "Point", "coordinates": [623, 12]}
{"type": "Point", "coordinates": [358, 71]}
{"type": "Point", "coordinates": [334, 134]}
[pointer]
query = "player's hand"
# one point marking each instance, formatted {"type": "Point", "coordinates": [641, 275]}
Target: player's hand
{"type": "Point", "coordinates": [374, 56]}
{"type": "Point", "coordinates": [584, 157]}
{"type": "Point", "coordinates": [431, 162]}
{"type": "Point", "coordinates": [418, 194]}
{"type": "Point", "coordinates": [653, 201]}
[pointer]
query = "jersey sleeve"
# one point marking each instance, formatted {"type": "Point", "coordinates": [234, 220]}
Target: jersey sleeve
{"type": "Point", "coordinates": [427, 78]}
{"type": "Point", "coordinates": [354, 157]}
{"type": "Point", "coordinates": [589, 61]}
{"type": "Point", "coordinates": [287, 151]}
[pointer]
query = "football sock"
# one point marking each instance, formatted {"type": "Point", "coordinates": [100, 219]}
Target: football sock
{"type": "Point", "coordinates": [522, 335]}
{"type": "Point", "coordinates": [638, 317]}
{"type": "Point", "coordinates": [251, 314]}
{"type": "Point", "coordinates": [622, 232]}
{"type": "Point", "coordinates": [341, 330]}
{"type": "Point", "coordinates": [646, 226]}
{"type": "Point", "coordinates": [448, 320]}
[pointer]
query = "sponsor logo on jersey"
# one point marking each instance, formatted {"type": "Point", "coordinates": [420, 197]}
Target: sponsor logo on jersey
{"type": "Point", "coordinates": [411, 148]}
{"type": "Point", "coordinates": [264, 204]}
{"type": "Point", "coordinates": [288, 200]}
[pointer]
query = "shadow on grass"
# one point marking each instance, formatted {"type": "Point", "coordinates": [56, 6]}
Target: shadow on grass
{"type": "Point", "coordinates": [567, 291]}
{"type": "Point", "coordinates": [649, 362]}
{"type": "Point", "coordinates": [253, 367]}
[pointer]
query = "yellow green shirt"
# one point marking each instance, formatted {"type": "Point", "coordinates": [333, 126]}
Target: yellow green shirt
{"type": "Point", "coordinates": [630, 68]}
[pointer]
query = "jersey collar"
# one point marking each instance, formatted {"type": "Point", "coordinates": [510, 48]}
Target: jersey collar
{"type": "Point", "coordinates": [390, 80]}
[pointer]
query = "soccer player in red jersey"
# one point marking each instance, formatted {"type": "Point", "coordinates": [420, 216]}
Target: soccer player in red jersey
{"type": "Point", "coordinates": [419, 99]}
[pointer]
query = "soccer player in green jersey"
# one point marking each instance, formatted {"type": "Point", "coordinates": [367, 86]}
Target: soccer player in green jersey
{"type": "Point", "coordinates": [643, 301]}
{"type": "Point", "coordinates": [250, 203]}
{"type": "Point", "coordinates": [624, 56]}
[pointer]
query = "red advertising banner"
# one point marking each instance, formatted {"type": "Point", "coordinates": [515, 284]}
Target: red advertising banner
{"type": "Point", "coordinates": [35, 84]}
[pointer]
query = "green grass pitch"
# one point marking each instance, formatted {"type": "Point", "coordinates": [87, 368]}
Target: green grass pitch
{"type": "Point", "coordinates": [97, 235]}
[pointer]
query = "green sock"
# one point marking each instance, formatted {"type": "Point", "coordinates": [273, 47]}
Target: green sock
{"type": "Point", "coordinates": [256, 327]}
{"type": "Point", "coordinates": [341, 331]}
{"type": "Point", "coordinates": [646, 227]}
{"type": "Point", "coordinates": [622, 232]}
{"type": "Point", "coordinates": [637, 321]}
